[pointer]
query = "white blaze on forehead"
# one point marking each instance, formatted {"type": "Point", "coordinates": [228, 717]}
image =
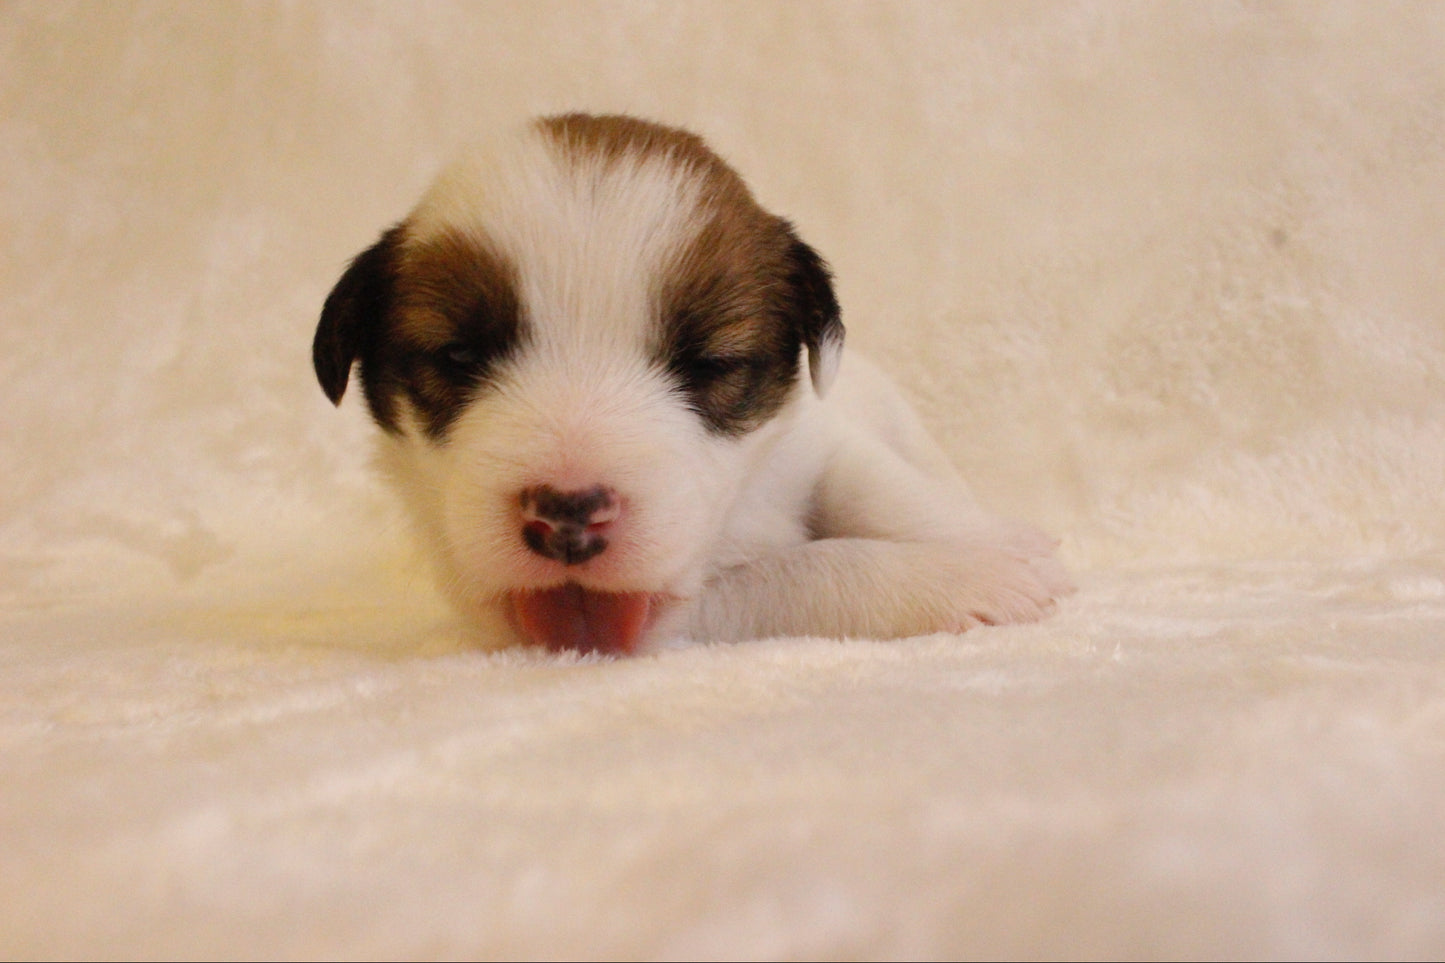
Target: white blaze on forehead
{"type": "Point", "coordinates": [591, 236]}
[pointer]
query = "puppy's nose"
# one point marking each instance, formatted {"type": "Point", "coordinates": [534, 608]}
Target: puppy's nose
{"type": "Point", "coordinates": [570, 527]}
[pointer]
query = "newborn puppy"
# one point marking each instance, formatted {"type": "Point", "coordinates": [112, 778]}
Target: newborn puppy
{"type": "Point", "coordinates": [585, 351]}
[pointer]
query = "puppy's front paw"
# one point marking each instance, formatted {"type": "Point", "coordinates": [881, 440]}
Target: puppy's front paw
{"type": "Point", "coordinates": [880, 588]}
{"type": "Point", "coordinates": [1009, 574]}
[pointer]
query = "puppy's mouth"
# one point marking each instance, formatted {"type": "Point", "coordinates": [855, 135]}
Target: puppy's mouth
{"type": "Point", "coordinates": [572, 617]}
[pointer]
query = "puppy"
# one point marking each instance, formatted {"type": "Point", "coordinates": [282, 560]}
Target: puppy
{"type": "Point", "coordinates": [585, 352]}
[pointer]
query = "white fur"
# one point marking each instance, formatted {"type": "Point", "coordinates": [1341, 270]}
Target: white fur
{"type": "Point", "coordinates": [719, 527]}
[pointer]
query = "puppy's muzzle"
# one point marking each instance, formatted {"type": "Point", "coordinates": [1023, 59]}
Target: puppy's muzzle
{"type": "Point", "coordinates": [569, 527]}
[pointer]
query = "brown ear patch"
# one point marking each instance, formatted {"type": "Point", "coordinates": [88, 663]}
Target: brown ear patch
{"type": "Point", "coordinates": [428, 320]}
{"type": "Point", "coordinates": [737, 316]}
{"type": "Point", "coordinates": [726, 334]}
{"type": "Point", "coordinates": [455, 287]}
{"type": "Point", "coordinates": [739, 307]}
{"type": "Point", "coordinates": [456, 316]}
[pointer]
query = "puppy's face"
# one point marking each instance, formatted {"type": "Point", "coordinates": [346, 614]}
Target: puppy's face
{"type": "Point", "coordinates": [577, 347]}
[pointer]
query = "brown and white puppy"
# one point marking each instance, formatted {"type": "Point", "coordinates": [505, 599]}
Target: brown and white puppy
{"type": "Point", "coordinates": [585, 351]}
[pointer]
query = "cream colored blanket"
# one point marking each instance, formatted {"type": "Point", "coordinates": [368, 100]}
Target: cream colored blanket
{"type": "Point", "coordinates": [1167, 279]}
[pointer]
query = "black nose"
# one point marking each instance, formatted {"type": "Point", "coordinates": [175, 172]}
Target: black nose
{"type": "Point", "coordinates": [570, 527]}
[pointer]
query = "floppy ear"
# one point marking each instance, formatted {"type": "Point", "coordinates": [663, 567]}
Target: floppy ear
{"type": "Point", "coordinates": [815, 309]}
{"type": "Point", "coordinates": [354, 313]}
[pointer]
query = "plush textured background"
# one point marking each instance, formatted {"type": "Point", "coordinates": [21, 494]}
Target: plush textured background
{"type": "Point", "coordinates": [1168, 279]}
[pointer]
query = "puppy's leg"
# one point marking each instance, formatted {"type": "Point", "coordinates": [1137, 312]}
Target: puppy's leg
{"type": "Point", "coordinates": [900, 552]}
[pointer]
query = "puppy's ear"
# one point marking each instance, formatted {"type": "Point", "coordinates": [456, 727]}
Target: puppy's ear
{"type": "Point", "coordinates": [354, 314]}
{"type": "Point", "coordinates": [815, 309]}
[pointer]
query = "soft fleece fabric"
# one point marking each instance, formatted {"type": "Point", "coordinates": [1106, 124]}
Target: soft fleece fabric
{"type": "Point", "coordinates": [1165, 278]}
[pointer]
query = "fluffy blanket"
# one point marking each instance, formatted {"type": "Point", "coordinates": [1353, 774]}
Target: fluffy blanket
{"type": "Point", "coordinates": [1166, 279]}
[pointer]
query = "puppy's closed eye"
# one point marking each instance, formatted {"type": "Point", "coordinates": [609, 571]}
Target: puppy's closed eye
{"type": "Point", "coordinates": [460, 361]}
{"type": "Point", "coordinates": [703, 370]}
{"type": "Point", "coordinates": [732, 393]}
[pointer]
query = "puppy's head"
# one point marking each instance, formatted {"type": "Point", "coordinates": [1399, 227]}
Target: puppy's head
{"type": "Point", "coordinates": [576, 347]}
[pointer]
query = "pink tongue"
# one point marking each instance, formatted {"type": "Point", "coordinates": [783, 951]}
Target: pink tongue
{"type": "Point", "coordinates": [572, 617]}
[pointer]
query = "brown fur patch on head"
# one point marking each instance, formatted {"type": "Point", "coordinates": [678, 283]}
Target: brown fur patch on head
{"type": "Point", "coordinates": [455, 287]}
{"type": "Point", "coordinates": [455, 314]}
{"type": "Point", "coordinates": [611, 138]}
{"type": "Point", "coordinates": [727, 333]}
